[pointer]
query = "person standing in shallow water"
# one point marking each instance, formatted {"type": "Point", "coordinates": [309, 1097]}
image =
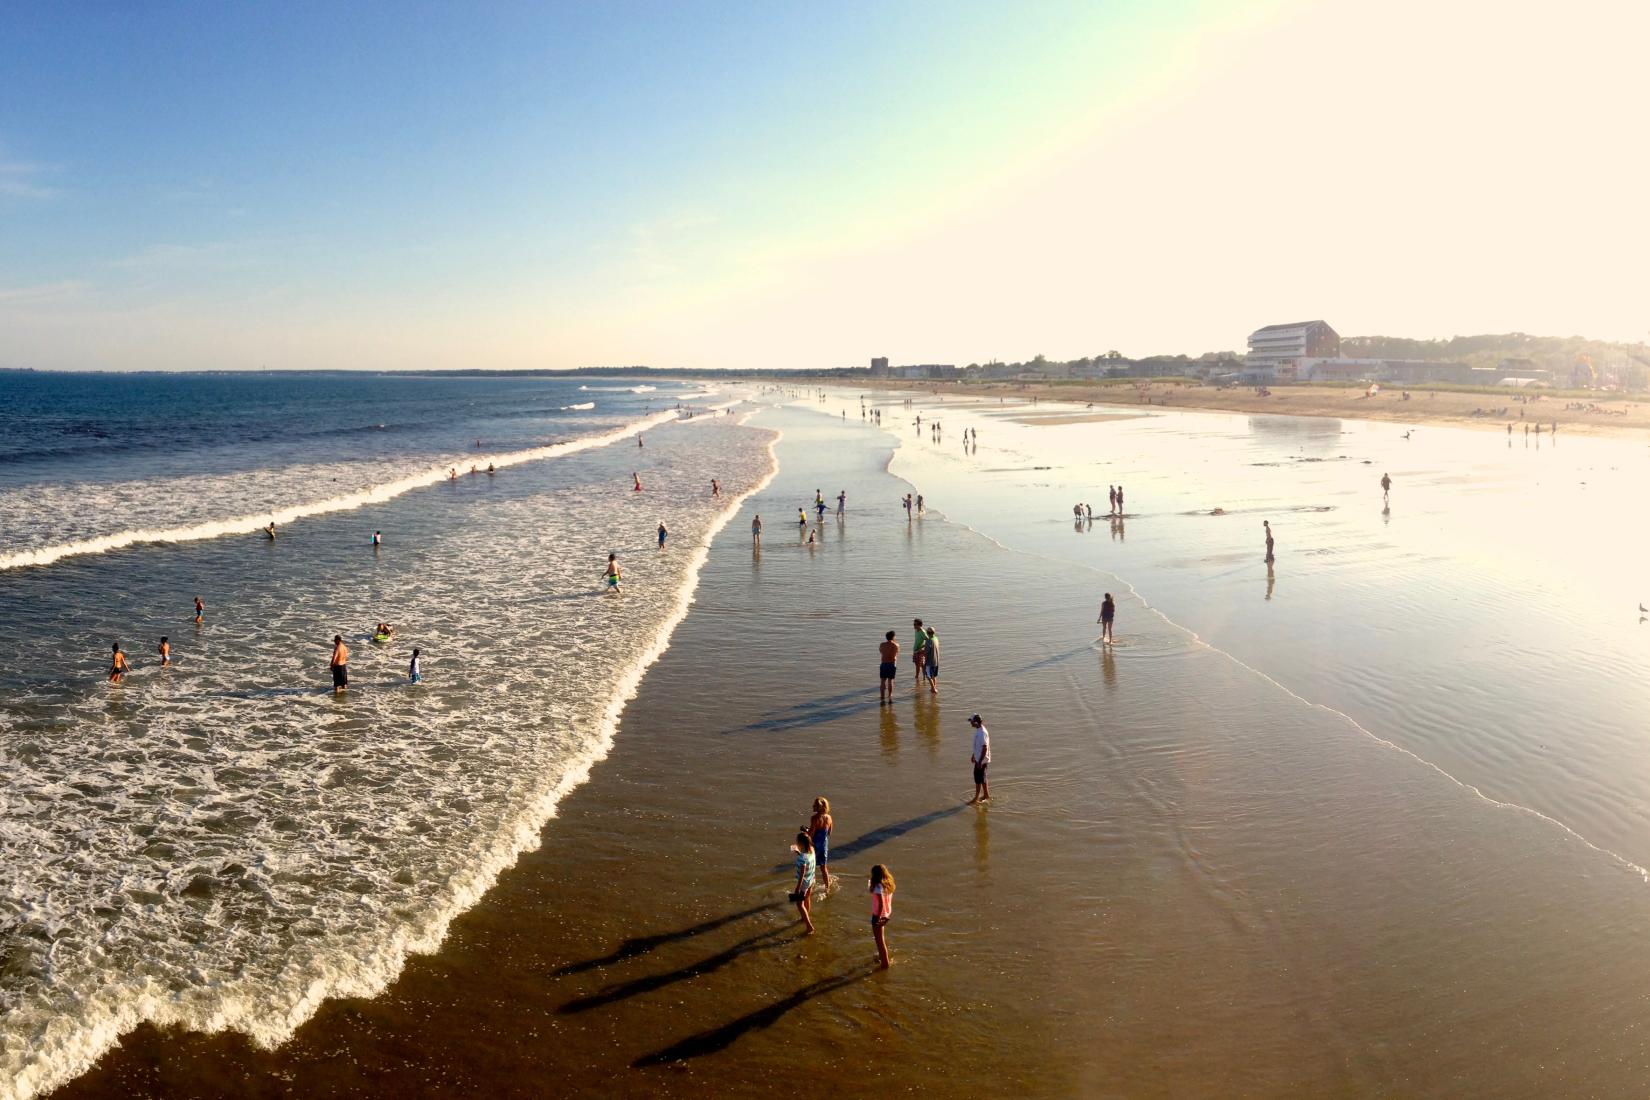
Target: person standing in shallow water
{"type": "Point", "coordinates": [1108, 612]}
{"type": "Point", "coordinates": [889, 649]}
{"type": "Point", "coordinates": [165, 653]}
{"type": "Point", "coordinates": [339, 664]}
{"type": "Point", "coordinates": [1267, 524]}
{"type": "Point", "coordinates": [117, 665]}
{"type": "Point", "coordinates": [919, 652]}
{"type": "Point", "coordinates": [980, 757]}
{"type": "Point", "coordinates": [663, 534]}
{"type": "Point", "coordinates": [819, 831]}
{"type": "Point", "coordinates": [931, 665]}
{"type": "Point", "coordinates": [802, 894]}
{"type": "Point", "coordinates": [882, 910]}
{"type": "Point", "coordinates": [200, 611]}
{"type": "Point", "coordinates": [612, 574]}
{"type": "Point", "coordinates": [756, 532]}
{"type": "Point", "coordinates": [1386, 485]}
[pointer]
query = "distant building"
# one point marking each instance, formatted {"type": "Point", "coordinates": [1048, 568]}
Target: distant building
{"type": "Point", "coordinates": [1278, 346]}
{"type": "Point", "coordinates": [879, 367]}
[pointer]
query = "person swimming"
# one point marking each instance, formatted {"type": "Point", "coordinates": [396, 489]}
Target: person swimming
{"type": "Point", "coordinates": [270, 530]}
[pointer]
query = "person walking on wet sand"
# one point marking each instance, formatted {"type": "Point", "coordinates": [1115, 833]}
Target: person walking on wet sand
{"type": "Point", "coordinates": [819, 831]}
{"type": "Point", "coordinates": [980, 757]}
{"type": "Point", "coordinates": [1108, 612]}
{"type": "Point", "coordinates": [802, 895]}
{"type": "Point", "coordinates": [756, 532]}
{"type": "Point", "coordinates": [339, 663]}
{"type": "Point", "coordinates": [200, 611]}
{"type": "Point", "coordinates": [1267, 524]}
{"type": "Point", "coordinates": [882, 910]}
{"type": "Point", "coordinates": [889, 649]}
{"type": "Point", "coordinates": [118, 668]}
{"type": "Point", "coordinates": [1386, 485]}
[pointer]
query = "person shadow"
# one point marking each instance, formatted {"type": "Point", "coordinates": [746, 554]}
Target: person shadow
{"type": "Point", "coordinates": [765, 940]}
{"type": "Point", "coordinates": [641, 945]}
{"type": "Point", "coordinates": [811, 712]}
{"type": "Point", "coordinates": [720, 1038]}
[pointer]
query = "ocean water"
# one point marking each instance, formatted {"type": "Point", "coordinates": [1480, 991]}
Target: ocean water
{"type": "Point", "coordinates": [225, 843]}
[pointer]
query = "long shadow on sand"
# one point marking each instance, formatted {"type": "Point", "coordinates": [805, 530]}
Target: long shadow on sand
{"type": "Point", "coordinates": [720, 1038]}
{"type": "Point", "coordinates": [1053, 660]}
{"type": "Point", "coordinates": [811, 713]}
{"type": "Point", "coordinates": [866, 841]}
{"type": "Point", "coordinates": [761, 941]}
{"type": "Point", "coordinates": [641, 945]}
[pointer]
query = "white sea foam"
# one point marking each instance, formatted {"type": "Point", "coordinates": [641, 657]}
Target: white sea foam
{"type": "Point", "coordinates": [643, 389]}
{"type": "Point", "coordinates": [230, 846]}
{"type": "Point", "coordinates": [584, 405]}
{"type": "Point", "coordinates": [280, 497]}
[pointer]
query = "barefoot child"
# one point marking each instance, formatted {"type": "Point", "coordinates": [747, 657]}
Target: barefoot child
{"type": "Point", "coordinates": [882, 908]}
{"type": "Point", "coordinates": [802, 895]}
{"type": "Point", "coordinates": [819, 831]}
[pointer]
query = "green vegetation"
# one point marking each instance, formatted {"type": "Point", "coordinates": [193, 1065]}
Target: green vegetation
{"type": "Point", "coordinates": [1573, 360]}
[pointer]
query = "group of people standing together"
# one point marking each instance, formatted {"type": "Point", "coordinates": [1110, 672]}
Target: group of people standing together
{"type": "Point", "coordinates": [812, 849]}
{"type": "Point", "coordinates": [925, 660]}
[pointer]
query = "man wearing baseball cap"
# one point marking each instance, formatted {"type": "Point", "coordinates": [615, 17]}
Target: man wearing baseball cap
{"type": "Point", "coordinates": [981, 759]}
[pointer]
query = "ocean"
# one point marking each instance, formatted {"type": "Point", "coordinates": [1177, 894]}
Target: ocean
{"type": "Point", "coordinates": [224, 843]}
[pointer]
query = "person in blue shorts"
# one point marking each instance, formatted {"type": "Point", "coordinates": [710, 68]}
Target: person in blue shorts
{"type": "Point", "coordinates": [931, 669]}
{"type": "Point", "coordinates": [663, 534]}
{"type": "Point", "coordinates": [890, 654]}
{"type": "Point", "coordinates": [819, 831]}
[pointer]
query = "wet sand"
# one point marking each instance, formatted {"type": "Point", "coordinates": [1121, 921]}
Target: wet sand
{"type": "Point", "coordinates": [1190, 882]}
{"type": "Point", "coordinates": [1615, 415]}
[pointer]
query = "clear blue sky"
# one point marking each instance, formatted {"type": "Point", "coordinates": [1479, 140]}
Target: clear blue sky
{"type": "Point", "coordinates": [682, 184]}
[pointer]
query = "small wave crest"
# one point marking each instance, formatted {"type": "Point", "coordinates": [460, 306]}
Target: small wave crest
{"type": "Point", "coordinates": [281, 515]}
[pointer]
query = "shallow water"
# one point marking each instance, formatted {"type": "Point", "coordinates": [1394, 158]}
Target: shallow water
{"type": "Point", "coordinates": [1482, 616]}
{"type": "Point", "coordinates": [225, 843]}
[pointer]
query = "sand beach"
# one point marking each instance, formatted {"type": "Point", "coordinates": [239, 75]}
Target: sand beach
{"type": "Point", "coordinates": [1196, 878]}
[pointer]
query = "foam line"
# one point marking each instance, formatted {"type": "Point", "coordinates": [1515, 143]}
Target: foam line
{"type": "Point", "coordinates": [242, 1005]}
{"type": "Point", "coordinates": [373, 494]}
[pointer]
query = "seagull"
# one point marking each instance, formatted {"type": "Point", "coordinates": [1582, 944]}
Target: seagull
{"type": "Point", "coordinates": [1644, 610]}
{"type": "Point", "coordinates": [1406, 435]}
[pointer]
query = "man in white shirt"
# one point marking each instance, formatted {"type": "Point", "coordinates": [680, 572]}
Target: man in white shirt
{"type": "Point", "coordinates": [981, 759]}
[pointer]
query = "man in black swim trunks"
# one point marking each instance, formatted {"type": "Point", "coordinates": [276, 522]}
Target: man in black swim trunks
{"type": "Point", "coordinates": [889, 650]}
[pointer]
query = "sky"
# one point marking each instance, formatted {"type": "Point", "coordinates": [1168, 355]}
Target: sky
{"type": "Point", "coordinates": [704, 185]}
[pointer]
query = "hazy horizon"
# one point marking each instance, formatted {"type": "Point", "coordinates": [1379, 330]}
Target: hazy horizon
{"type": "Point", "coordinates": [702, 187]}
